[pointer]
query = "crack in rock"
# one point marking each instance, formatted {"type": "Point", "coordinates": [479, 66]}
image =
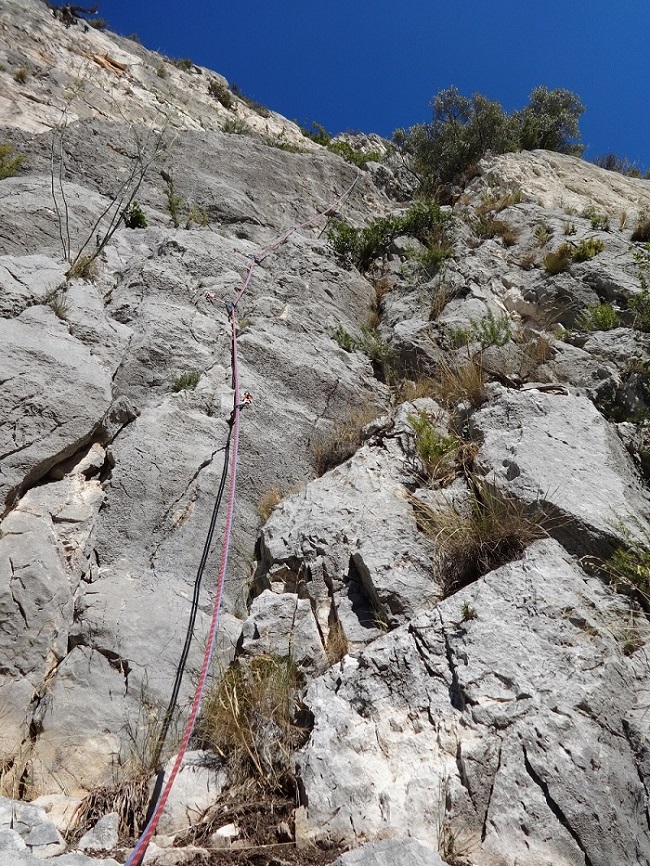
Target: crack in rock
{"type": "Point", "coordinates": [554, 806]}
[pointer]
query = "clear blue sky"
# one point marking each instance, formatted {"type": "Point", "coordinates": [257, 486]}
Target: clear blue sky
{"type": "Point", "coordinates": [374, 66]}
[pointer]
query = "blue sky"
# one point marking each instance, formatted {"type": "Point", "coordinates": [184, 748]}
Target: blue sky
{"type": "Point", "coordinates": [374, 66]}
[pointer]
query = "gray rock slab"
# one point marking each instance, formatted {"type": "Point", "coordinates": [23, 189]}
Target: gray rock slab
{"type": "Point", "coordinates": [27, 280]}
{"type": "Point", "coordinates": [197, 786]}
{"type": "Point", "coordinates": [42, 425]}
{"type": "Point", "coordinates": [103, 836]}
{"type": "Point", "coordinates": [498, 729]}
{"type": "Point", "coordinates": [391, 852]}
{"type": "Point", "coordinates": [11, 840]}
{"type": "Point", "coordinates": [352, 534]}
{"type": "Point", "coordinates": [284, 625]}
{"type": "Point", "coordinates": [547, 449]}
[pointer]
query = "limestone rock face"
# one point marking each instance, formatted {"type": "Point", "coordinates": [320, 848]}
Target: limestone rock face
{"type": "Point", "coordinates": [546, 449]}
{"type": "Point", "coordinates": [495, 718]}
{"type": "Point", "coordinates": [499, 732]}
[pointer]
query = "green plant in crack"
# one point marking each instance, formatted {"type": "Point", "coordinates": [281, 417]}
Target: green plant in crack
{"type": "Point", "coordinates": [186, 381]}
{"type": "Point", "coordinates": [599, 317]}
{"type": "Point", "coordinates": [10, 162]}
{"type": "Point", "coordinates": [438, 451]}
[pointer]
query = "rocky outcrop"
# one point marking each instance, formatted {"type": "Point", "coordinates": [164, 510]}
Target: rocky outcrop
{"type": "Point", "coordinates": [488, 718]}
{"type": "Point", "coordinates": [490, 725]}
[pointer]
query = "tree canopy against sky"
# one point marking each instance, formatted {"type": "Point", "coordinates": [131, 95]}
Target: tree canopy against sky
{"type": "Point", "coordinates": [373, 66]}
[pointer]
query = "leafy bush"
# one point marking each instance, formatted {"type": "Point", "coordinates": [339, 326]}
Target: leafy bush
{"type": "Point", "coordinates": [629, 566]}
{"type": "Point", "coordinates": [345, 340]}
{"type": "Point", "coordinates": [175, 201]}
{"type": "Point", "coordinates": [282, 144]}
{"type": "Point", "coordinates": [599, 317]}
{"type": "Point", "coordinates": [622, 165]}
{"type": "Point", "coordinates": [186, 381]}
{"type": "Point", "coordinates": [236, 126]}
{"type": "Point", "coordinates": [437, 451]}
{"type": "Point", "coordinates": [317, 133]}
{"type": "Point", "coordinates": [221, 93]}
{"type": "Point", "coordinates": [9, 162]}
{"type": "Point", "coordinates": [424, 221]}
{"type": "Point", "coordinates": [183, 63]}
{"type": "Point", "coordinates": [599, 221]}
{"type": "Point", "coordinates": [134, 217]}
{"type": "Point", "coordinates": [543, 233]}
{"type": "Point", "coordinates": [560, 260]}
{"type": "Point", "coordinates": [464, 129]}
{"type": "Point", "coordinates": [488, 331]}
{"type": "Point", "coordinates": [492, 332]}
{"type": "Point", "coordinates": [487, 227]}
{"type": "Point", "coordinates": [345, 149]}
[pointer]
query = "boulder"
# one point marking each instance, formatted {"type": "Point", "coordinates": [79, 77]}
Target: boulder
{"type": "Point", "coordinates": [491, 722]}
{"type": "Point", "coordinates": [546, 450]}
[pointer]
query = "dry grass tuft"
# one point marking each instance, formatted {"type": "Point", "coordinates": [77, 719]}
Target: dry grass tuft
{"type": "Point", "coordinates": [337, 643]}
{"type": "Point", "coordinates": [458, 383]}
{"type": "Point", "coordinates": [332, 449]}
{"type": "Point", "coordinates": [493, 529]}
{"type": "Point", "coordinates": [267, 502]}
{"type": "Point", "coordinates": [250, 720]}
{"type": "Point", "coordinates": [130, 799]}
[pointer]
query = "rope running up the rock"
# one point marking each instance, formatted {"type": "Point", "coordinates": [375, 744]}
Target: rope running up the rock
{"type": "Point", "coordinates": [141, 847]}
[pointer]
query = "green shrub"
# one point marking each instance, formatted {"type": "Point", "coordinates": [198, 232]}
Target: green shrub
{"type": "Point", "coordinates": [197, 215]}
{"type": "Point", "coordinates": [161, 71]}
{"type": "Point", "coordinates": [221, 93]}
{"type": "Point", "coordinates": [599, 221]}
{"type": "Point", "coordinates": [424, 221]}
{"type": "Point", "coordinates": [587, 249]}
{"type": "Point", "coordinates": [599, 317]}
{"type": "Point", "coordinates": [282, 144]}
{"type": "Point", "coordinates": [488, 227]}
{"type": "Point", "coordinates": [236, 126]}
{"type": "Point", "coordinates": [379, 352]}
{"type": "Point", "coordinates": [629, 567]}
{"type": "Point", "coordinates": [437, 451]}
{"type": "Point", "coordinates": [345, 150]}
{"type": "Point", "coordinates": [21, 75]}
{"type": "Point", "coordinates": [175, 203]}
{"type": "Point", "coordinates": [543, 233]}
{"type": "Point", "coordinates": [558, 261]}
{"type": "Point", "coordinates": [134, 217]}
{"type": "Point", "coordinates": [317, 133]}
{"type": "Point", "coordinates": [183, 63]}
{"type": "Point", "coordinates": [490, 331]}
{"type": "Point", "coordinates": [464, 129]}
{"type": "Point", "coordinates": [10, 163]}
{"type": "Point", "coordinates": [612, 162]}
{"type": "Point", "coordinates": [186, 381]}
{"type": "Point", "coordinates": [345, 340]}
